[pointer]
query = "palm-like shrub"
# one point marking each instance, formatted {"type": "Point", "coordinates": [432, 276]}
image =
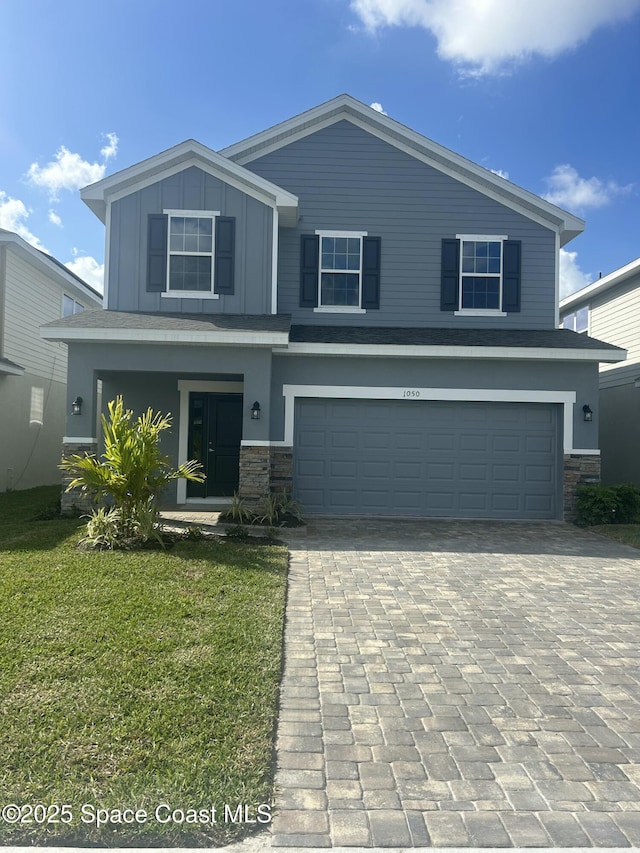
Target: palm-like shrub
{"type": "Point", "coordinates": [132, 472]}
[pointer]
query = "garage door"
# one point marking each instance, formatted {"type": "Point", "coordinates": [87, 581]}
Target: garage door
{"type": "Point", "coordinates": [406, 458]}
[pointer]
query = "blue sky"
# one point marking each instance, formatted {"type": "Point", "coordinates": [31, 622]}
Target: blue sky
{"type": "Point", "coordinates": [543, 91]}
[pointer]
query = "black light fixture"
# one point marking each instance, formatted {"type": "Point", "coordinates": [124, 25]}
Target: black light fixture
{"type": "Point", "coordinates": [588, 414]}
{"type": "Point", "coordinates": [76, 406]}
{"type": "Point", "coordinates": [255, 411]}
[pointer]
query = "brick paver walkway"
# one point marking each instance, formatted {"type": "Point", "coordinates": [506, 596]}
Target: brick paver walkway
{"type": "Point", "coordinates": [459, 684]}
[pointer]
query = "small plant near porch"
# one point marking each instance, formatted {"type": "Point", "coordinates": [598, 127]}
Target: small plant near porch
{"type": "Point", "coordinates": [131, 473]}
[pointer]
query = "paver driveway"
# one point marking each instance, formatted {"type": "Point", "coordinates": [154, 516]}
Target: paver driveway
{"type": "Point", "coordinates": [459, 684]}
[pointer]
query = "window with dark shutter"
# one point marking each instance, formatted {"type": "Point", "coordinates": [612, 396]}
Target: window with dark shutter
{"type": "Point", "coordinates": [450, 275]}
{"type": "Point", "coordinates": [309, 244]}
{"type": "Point", "coordinates": [370, 272]}
{"type": "Point", "coordinates": [223, 281]}
{"type": "Point", "coordinates": [511, 262]}
{"type": "Point", "coordinates": [157, 253]}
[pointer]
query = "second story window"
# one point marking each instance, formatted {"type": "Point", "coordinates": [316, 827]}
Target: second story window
{"type": "Point", "coordinates": [191, 253]}
{"type": "Point", "coordinates": [340, 271]}
{"type": "Point", "coordinates": [578, 321]}
{"type": "Point", "coordinates": [70, 306]}
{"type": "Point", "coordinates": [480, 275]}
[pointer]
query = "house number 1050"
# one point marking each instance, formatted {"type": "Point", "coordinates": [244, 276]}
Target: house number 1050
{"type": "Point", "coordinates": [409, 393]}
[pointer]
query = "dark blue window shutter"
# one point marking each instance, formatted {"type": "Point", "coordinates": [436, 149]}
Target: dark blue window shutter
{"type": "Point", "coordinates": [157, 252]}
{"type": "Point", "coordinates": [309, 249]}
{"type": "Point", "coordinates": [511, 251]}
{"type": "Point", "coordinates": [223, 277]}
{"type": "Point", "coordinates": [450, 275]}
{"type": "Point", "coordinates": [370, 272]}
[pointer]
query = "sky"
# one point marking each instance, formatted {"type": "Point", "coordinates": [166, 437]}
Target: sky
{"type": "Point", "coordinates": [543, 92]}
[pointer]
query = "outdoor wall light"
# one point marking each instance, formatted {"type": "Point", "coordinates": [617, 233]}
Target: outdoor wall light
{"type": "Point", "coordinates": [588, 414]}
{"type": "Point", "coordinates": [76, 406]}
{"type": "Point", "coordinates": [255, 411]}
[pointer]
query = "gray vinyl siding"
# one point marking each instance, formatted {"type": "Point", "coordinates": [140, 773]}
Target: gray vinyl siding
{"type": "Point", "coordinates": [348, 179]}
{"type": "Point", "coordinates": [441, 373]}
{"type": "Point", "coordinates": [192, 189]}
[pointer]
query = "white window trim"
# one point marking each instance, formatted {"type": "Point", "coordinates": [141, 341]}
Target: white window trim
{"type": "Point", "coordinates": [191, 294]}
{"type": "Point", "coordinates": [340, 309]}
{"type": "Point", "coordinates": [482, 312]}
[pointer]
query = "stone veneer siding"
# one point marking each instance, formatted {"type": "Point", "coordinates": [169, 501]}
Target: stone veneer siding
{"type": "Point", "coordinates": [264, 470]}
{"type": "Point", "coordinates": [578, 471]}
{"type": "Point", "coordinates": [282, 469]}
{"type": "Point", "coordinates": [255, 470]}
{"type": "Point", "coordinates": [75, 502]}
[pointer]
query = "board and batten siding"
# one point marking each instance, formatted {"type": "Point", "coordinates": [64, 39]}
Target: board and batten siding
{"type": "Point", "coordinates": [613, 317]}
{"type": "Point", "coordinates": [192, 189]}
{"type": "Point", "coordinates": [30, 300]}
{"type": "Point", "coordinates": [348, 179]}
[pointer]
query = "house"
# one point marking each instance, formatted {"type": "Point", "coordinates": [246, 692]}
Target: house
{"type": "Point", "coordinates": [609, 309]}
{"type": "Point", "coordinates": [34, 289]}
{"type": "Point", "coordinates": [341, 306]}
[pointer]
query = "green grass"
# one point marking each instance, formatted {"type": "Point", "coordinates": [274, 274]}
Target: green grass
{"type": "Point", "coordinates": [134, 679]}
{"type": "Point", "coordinates": [629, 534]}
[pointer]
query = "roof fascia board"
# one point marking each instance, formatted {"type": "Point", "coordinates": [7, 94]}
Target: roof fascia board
{"type": "Point", "coordinates": [597, 287]}
{"type": "Point", "coordinates": [163, 336]}
{"type": "Point", "coordinates": [42, 262]}
{"type": "Point", "coordinates": [9, 368]}
{"type": "Point", "coordinates": [444, 351]}
{"type": "Point", "coordinates": [415, 144]}
{"type": "Point", "coordinates": [175, 160]}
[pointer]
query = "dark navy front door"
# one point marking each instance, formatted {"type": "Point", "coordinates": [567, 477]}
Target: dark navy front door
{"type": "Point", "coordinates": [215, 432]}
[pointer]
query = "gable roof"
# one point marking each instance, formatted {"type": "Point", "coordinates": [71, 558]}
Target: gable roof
{"type": "Point", "coordinates": [50, 266]}
{"type": "Point", "coordinates": [614, 278]}
{"type": "Point", "coordinates": [345, 107]}
{"type": "Point", "coordinates": [176, 159]}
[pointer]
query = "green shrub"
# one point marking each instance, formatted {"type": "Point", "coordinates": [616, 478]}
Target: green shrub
{"type": "Point", "coordinates": [595, 505]}
{"type": "Point", "coordinates": [627, 499]}
{"type": "Point", "coordinates": [598, 504]}
{"type": "Point", "coordinates": [132, 473]}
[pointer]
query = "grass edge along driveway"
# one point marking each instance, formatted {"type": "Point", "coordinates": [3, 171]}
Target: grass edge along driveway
{"type": "Point", "coordinates": [132, 681]}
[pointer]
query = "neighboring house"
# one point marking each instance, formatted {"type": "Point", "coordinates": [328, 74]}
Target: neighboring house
{"type": "Point", "coordinates": [34, 289]}
{"type": "Point", "coordinates": [389, 307]}
{"type": "Point", "coordinates": [610, 309]}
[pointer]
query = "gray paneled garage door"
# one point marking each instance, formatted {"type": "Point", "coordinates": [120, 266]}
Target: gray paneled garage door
{"type": "Point", "coordinates": [410, 458]}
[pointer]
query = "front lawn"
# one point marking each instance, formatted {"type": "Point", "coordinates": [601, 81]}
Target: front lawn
{"type": "Point", "coordinates": [134, 682]}
{"type": "Point", "coordinates": [629, 534]}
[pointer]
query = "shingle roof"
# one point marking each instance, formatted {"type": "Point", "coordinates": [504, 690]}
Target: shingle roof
{"type": "Point", "coordinates": [105, 319]}
{"type": "Point", "coordinates": [397, 336]}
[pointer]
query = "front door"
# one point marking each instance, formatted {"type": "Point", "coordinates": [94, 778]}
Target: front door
{"type": "Point", "coordinates": [215, 431]}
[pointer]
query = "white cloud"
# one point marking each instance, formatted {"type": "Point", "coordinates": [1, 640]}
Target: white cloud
{"type": "Point", "coordinates": [54, 219]}
{"type": "Point", "coordinates": [111, 148]}
{"type": "Point", "coordinates": [68, 171]}
{"type": "Point", "coordinates": [568, 189]}
{"type": "Point", "coordinates": [572, 278]}
{"type": "Point", "coordinates": [378, 108]}
{"type": "Point", "coordinates": [501, 173]}
{"type": "Point", "coordinates": [489, 36]}
{"type": "Point", "coordinates": [13, 216]}
{"type": "Point", "coordinates": [88, 269]}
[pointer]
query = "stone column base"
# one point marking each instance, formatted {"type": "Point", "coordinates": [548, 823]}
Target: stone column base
{"type": "Point", "coordinates": [579, 470]}
{"type": "Point", "coordinates": [255, 470]}
{"type": "Point", "coordinates": [282, 469]}
{"type": "Point", "coordinates": [75, 502]}
{"type": "Point", "coordinates": [264, 470]}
